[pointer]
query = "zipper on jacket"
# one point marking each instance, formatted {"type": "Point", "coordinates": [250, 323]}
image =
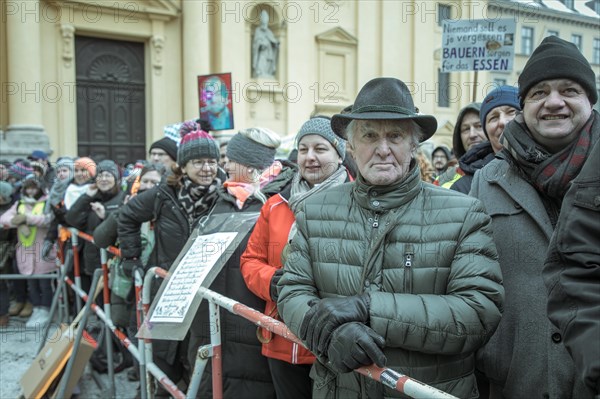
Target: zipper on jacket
{"type": "Point", "coordinates": [376, 220]}
{"type": "Point", "coordinates": [408, 262]}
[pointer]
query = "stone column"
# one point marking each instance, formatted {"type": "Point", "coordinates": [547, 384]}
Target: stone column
{"type": "Point", "coordinates": [25, 130]}
{"type": "Point", "coordinates": [196, 51]}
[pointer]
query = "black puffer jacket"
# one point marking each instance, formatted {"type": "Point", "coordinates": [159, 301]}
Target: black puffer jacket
{"type": "Point", "coordinates": [476, 158]}
{"type": "Point", "coordinates": [83, 218]}
{"type": "Point", "coordinates": [245, 370]}
{"type": "Point", "coordinates": [171, 227]}
{"type": "Point", "coordinates": [171, 231]}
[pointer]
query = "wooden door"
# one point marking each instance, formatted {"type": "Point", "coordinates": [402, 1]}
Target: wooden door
{"type": "Point", "coordinates": [111, 103]}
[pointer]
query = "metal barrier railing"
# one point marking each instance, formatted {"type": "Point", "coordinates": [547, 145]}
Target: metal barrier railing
{"type": "Point", "coordinates": [386, 376]}
{"type": "Point", "coordinates": [143, 353]}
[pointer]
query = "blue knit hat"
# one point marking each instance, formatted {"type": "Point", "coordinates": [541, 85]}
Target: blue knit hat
{"type": "Point", "coordinates": [503, 95]}
{"type": "Point", "coordinates": [321, 126]}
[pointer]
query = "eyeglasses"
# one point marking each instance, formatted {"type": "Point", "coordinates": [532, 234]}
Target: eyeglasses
{"type": "Point", "coordinates": [199, 163]}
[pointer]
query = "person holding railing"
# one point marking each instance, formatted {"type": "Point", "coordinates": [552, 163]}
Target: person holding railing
{"type": "Point", "coordinates": [174, 208]}
{"type": "Point", "coordinates": [390, 270]}
{"type": "Point", "coordinates": [254, 176]}
{"type": "Point", "coordinates": [101, 198]}
{"type": "Point", "coordinates": [320, 156]}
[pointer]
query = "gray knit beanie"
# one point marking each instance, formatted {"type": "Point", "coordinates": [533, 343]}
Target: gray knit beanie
{"type": "Point", "coordinates": [196, 145]}
{"type": "Point", "coordinates": [109, 166]}
{"type": "Point", "coordinates": [321, 126]}
{"type": "Point", "coordinates": [254, 147]}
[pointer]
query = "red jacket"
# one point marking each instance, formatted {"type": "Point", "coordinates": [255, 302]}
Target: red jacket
{"type": "Point", "coordinates": [258, 264]}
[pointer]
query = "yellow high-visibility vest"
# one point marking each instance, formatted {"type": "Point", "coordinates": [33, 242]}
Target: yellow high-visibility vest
{"type": "Point", "coordinates": [38, 209]}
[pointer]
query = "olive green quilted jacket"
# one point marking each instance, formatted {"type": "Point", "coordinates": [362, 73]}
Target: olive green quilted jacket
{"type": "Point", "coordinates": [426, 256]}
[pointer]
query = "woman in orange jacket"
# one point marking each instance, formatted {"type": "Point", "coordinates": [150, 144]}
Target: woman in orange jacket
{"type": "Point", "coordinates": [320, 156]}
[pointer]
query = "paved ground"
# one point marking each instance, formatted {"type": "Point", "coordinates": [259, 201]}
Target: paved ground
{"type": "Point", "coordinates": [18, 348]}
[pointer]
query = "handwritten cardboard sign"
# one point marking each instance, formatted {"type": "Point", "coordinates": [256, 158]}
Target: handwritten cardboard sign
{"type": "Point", "coordinates": [204, 256]}
{"type": "Point", "coordinates": [181, 288]}
{"type": "Point", "coordinates": [478, 45]}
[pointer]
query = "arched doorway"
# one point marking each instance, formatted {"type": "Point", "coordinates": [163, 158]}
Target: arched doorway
{"type": "Point", "coordinates": [111, 101]}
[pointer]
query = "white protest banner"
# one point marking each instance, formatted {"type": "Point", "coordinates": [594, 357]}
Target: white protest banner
{"type": "Point", "coordinates": [478, 45]}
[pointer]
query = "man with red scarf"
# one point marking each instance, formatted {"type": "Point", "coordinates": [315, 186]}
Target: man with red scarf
{"type": "Point", "coordinates": [545, 149]}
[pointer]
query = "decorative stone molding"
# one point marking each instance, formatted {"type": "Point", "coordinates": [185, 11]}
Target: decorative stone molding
{"type": "Point", "coordinates": [158, 44]}
{"type": "Point", "coordinates": [337, 60]}
{"type": "Point", "coordinates": [67, 32]}
{"type": "Point", "coordinates": [127, 10]}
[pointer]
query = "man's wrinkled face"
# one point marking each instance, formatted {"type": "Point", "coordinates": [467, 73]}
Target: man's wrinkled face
{"type": "Point", "coordinates": [383, 149]}
{"type": "Point", "coordinates": [471, 131]}
{"type": "Point", "coordinates": [555, 111]}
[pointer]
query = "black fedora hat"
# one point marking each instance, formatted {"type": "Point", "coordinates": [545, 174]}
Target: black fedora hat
{"type": "Point", "coordinates": [384, 98]}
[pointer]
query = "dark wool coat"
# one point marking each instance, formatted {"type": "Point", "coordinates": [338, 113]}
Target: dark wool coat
{"type": "Point", "coordinates": [526, 357]}
{"type": "Point", "coordinates": [572, 271]}
{"type": "Point", "coordinates": [245, 370]}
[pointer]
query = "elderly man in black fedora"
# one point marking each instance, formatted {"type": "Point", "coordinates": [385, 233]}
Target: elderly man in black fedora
{"type": "Point", "coordinates": [388, 269]}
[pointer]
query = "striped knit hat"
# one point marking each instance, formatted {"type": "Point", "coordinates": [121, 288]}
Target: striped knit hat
{"type": "Point", "coordinates": [20, 170]}
{"type": "Point", "coordinates": [196, 145]}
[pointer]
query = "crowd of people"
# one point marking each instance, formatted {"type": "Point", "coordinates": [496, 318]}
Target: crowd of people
{"type": "Point", "coordinates": [475, 269]}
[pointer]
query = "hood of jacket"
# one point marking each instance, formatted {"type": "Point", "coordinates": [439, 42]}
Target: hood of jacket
{"type": "Point", "coordinates": [457, 145]}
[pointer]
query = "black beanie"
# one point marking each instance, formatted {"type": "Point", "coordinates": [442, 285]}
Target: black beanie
{"type": "Point", "coordinates": [167, 145]}
{"type": "Point", "coordinates": [556, 58]}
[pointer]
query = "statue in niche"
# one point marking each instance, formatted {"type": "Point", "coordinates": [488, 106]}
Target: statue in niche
{"type": "Point", "coordinates": [265, 49]}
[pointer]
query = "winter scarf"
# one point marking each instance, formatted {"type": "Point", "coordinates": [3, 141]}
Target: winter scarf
{"type": "Point", "coordinates": [242, 191]}
{"type": "Point", "coordinates": [197, 199]}
{"type": "Point", "coordinates": [301, 190]}
{"type": "Point", "coordinates": [550, 174]}
{"type": "Point", "coordinates": [57, 193]}
{"type": "Point", "coordinates": [476, 158]}
{"type": "Point", "coordinates": [73, 192]}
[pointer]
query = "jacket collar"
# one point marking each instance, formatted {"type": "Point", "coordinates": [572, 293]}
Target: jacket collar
{"type": "Point", "coordinates": [384, 198]}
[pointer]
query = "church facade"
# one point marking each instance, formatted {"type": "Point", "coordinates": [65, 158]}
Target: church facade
{"type": "Point", "coordinates": [103, 78]}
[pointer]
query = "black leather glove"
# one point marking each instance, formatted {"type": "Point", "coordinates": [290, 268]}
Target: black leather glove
{"type": "Point", "coordinates": [130, 264]}
{"type": "Point", "coordinates": [273, 286]}
{"type": "Point", "coordinates": [354, 345]}
{"type": "Point", "coordinates": [327, 315]}
{"type": "Point", "coordinates": [46, 249]}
